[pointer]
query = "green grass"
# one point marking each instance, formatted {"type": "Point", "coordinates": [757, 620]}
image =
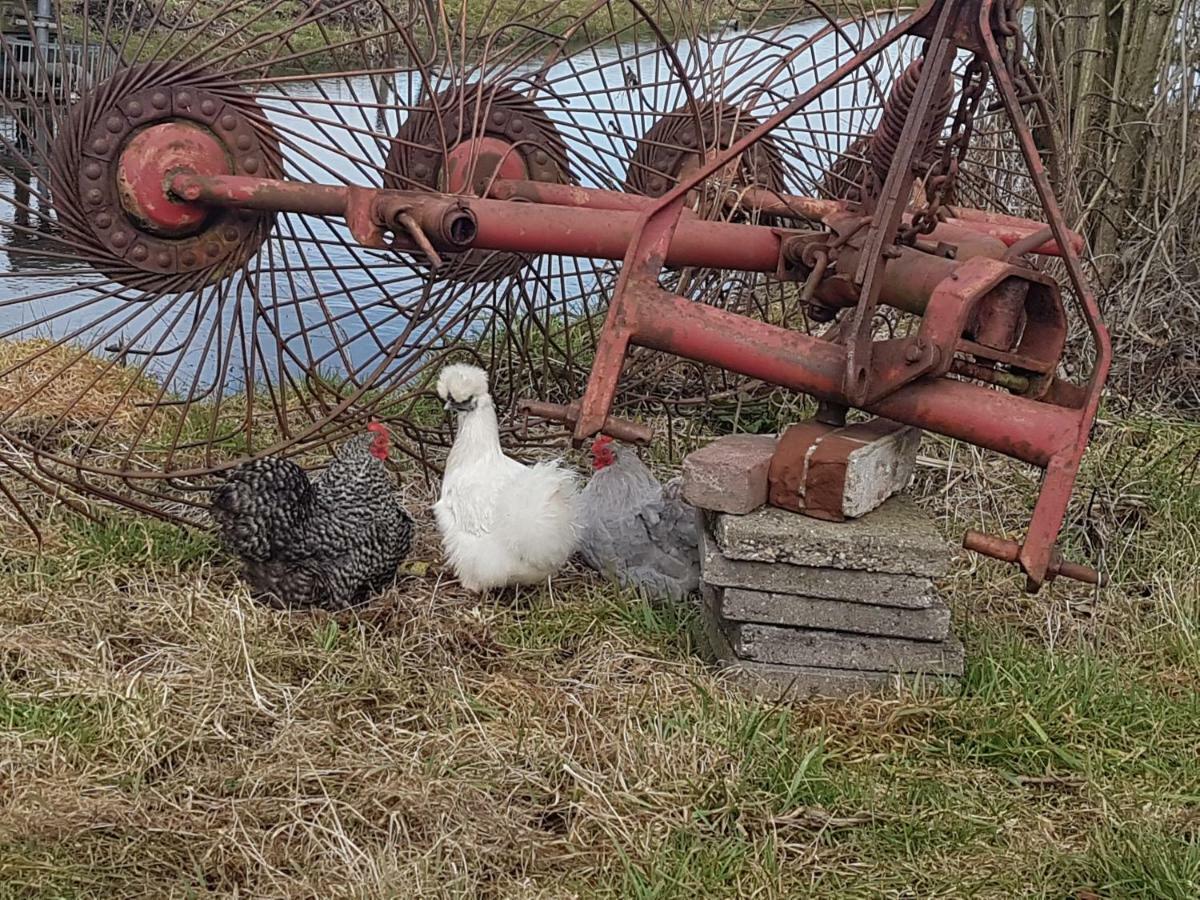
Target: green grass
{"type": "Point", "coordinates": [165, 735]}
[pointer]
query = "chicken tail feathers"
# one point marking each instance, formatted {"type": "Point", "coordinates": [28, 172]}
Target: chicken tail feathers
{"type": "Point", "coordinates": [258, 507]}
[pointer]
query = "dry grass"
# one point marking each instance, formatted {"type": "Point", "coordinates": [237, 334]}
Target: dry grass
{"type": "Point", "coordinates": [161, 735]}
{"type": "Point", "coordinates": [46, 383]}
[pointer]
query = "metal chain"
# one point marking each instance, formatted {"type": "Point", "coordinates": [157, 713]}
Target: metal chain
{"type": "Point", "coordinates": [939, 183]}
{"type": "Point", "coordinates": [1012, 46]}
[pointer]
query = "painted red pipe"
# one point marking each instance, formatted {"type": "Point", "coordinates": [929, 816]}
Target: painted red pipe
{"type": "Point", "coordinates": [502, 226]}
{"type": "Point", "coordinates": [1023, 429]}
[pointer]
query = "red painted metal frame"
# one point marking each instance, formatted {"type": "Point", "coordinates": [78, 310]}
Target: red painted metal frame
{"type": "Point", "coordinates": [904, 377]}
{"type": "Point", "coordinates": [638, 314]}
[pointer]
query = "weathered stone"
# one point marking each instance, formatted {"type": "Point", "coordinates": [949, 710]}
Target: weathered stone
{"type": "Point", "coordinates": [898, 538]}
{"type": "Point", "coordinates": [773, 682]}
{"type": "Point", "coordinates": [714, 631]}
{"type": "Point", "coordinates": [730, 474]}
{"type": "Point", "coordinates": [884, 589]}
{"type": "Point", "coordinates": [738, 605]}
{"type": "Point", "coordinates": [776, 682]}
{"type": "Point", "coordinates": [835, 650]}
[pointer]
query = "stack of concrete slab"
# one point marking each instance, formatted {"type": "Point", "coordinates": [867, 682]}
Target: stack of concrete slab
{"type": "Point", "coordinates": [799, 605]}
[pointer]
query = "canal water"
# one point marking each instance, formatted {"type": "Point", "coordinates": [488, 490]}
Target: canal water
{"type": "Point", "coordinates": [316, 302]}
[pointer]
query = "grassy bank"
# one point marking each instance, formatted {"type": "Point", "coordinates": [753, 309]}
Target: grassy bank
{"type": "Point", "coordinates": [297, 36]}
{"type": "Point", "coordinates": [163, 735]}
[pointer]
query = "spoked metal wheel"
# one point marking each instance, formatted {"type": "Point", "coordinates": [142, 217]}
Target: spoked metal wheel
{"type": "Point", "coordinates": [147, 344]}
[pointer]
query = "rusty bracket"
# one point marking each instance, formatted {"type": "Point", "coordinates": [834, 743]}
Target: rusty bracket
{"type": "Point", "coordinates": [857, 380]}
{"type": "Point", "coordinates": [801, 251]}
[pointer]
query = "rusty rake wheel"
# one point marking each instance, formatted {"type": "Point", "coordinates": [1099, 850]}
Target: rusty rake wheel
{"type": "Point", "coordinates": [148, 344]}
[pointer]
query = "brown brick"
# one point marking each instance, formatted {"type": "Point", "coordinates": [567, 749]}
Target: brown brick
{"type": "Point", "coordinates": [841, 473]}
{"type": "Point", "coordinates": [730, 474]}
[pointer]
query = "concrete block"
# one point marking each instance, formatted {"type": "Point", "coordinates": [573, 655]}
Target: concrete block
{"type": "Point", "coordinates": [898, 538]}
{"type": "Point", "coordinates": [931, 624]}
{"type": "Point", "coordinates": [775, 683]}
{"type": "Point", "coordinates": [841, 473]}
{"type": "Point", "coordinates": [847, 585]}
{"type": "Point", "coordinates": [781, 682]}
{"type": "Point", "coordinates": [835, 650]}
{"type": "Point", "coordinates": [719, 647]}
{"type": "Point", "coordinates": [730, 474]}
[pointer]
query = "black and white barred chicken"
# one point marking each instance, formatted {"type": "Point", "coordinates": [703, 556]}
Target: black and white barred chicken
{"type": "Point", "coordinates": [328, 542]}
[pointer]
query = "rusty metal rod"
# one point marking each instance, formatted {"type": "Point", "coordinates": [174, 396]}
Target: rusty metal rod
{"type": "Point", "coordinates": [1008, 551]}
{"type": "Point", "coordinates": [501, 226]}
{"type": "Point", "coordinates": [1014, 426]}
{"type": "Point", "coordinates": [568, 414]}
{"type": "Point", "coordinates": [971, 223]}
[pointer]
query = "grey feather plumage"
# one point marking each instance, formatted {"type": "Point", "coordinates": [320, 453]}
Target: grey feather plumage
{"type": "Point", "coordinates": [638, 533]}
{"type": "Point", "coordinates": [329, 542]}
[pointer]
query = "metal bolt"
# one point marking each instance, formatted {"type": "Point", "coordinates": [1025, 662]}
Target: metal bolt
{"type": "Point", "coordinates": [135, 109]}
{"type": "Point", "coordinates": [95, 196]}
{"type": "Point", "coordinates": [230, 234]}
{"type": "Point", "coordinates": [244, 142]}
{"type": "Point", "coordinates": [915, 351]}
{"type": "Point", "coordinates": [212, 249]}
{"type": "Point", "coordinates": [208, 107]}
{"type": "Point", "coordinates": [541, 158]}
{"type": "Point", "coordinates": [163, 259]}
{"type": "Point", "coordinates": [120, 239]}
{"type": "Point", "coordinates": [517, 126]}
{"type": "Point", "coordinates": [100, 145]}
{"type": "Point", "coordinates": [188, 258]}
{"type": "Point", "coordinates": [185, 98]}
{"type": "Point", "coordinates": [114, 124]}
{"type": "Point", "coordinates": [499, 116]}
{"type": "Point", "coordinates": [159, 99]}
{"type": "Point", "coordinates": [250, 164]}
{"type": "Point", "coordinates": [420, 170]}
{"type": "Point", "coordinates": [228, 122]}
{"type": "Point", "coordinates": [104, 220]}
{"type": "Point", "coordinates": [93, 170]}
{"type": "Point", "coordinates": [139, 253]}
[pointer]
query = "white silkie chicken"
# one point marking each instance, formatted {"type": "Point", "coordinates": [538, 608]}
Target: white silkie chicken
{"type": "Point", "coordinates": [501, 522]}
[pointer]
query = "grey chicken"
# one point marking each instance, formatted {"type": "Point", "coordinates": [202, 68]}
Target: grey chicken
{"type": "Point", "coordinates": [635, 531]}
{"type": "Point", "coordinates": [328, 542]}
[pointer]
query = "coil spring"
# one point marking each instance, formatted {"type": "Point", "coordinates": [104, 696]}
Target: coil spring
{"type": "Point", "coordinates": [886, 139]}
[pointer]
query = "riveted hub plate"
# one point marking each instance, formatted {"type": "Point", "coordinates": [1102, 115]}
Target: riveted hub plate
{"type": "Point", "coordinates": [131, 144]}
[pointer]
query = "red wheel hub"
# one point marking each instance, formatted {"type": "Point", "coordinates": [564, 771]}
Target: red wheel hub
{"type": "Point", "coordinates": [147, 163]}
{"type": "Point", "coordinates": [473, 165]}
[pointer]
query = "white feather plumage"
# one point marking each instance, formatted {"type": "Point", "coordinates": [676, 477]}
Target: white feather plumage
{"type": "Point", "coordinates": [501, 522]}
